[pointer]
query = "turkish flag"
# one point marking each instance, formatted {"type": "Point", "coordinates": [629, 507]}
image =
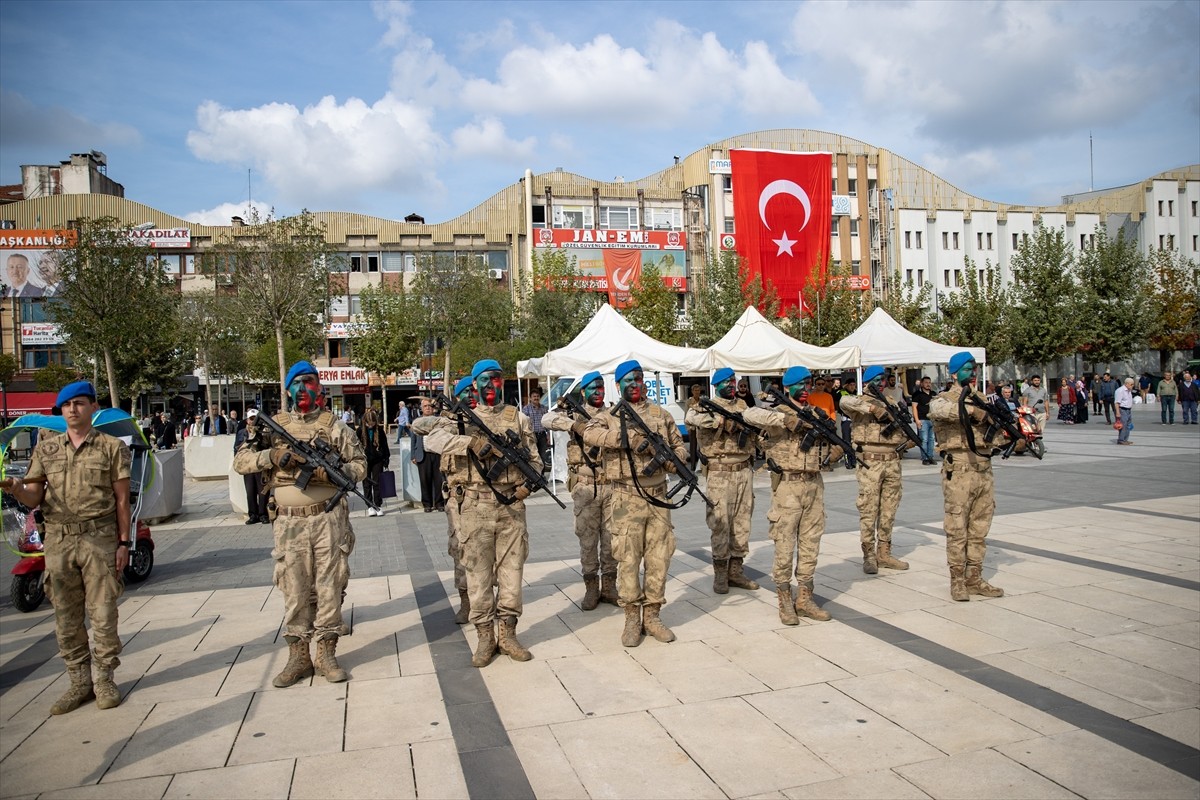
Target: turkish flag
{"type": "Point", "coordinates": [623, 268]}
{"type": "Point", "coordinates": [782, 210]}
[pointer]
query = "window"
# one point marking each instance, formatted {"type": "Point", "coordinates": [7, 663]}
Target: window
{"type": "Point", "coordinates": [908, 276]}
{"type": "Point", "coordinates": [1160, 208]}
{"type": "Point", "coordinates": [958, 277]}
{"type": "Point", "coordinates": [41, 355]}
{"type": "Point", "coordinates": [664, 219]}
{"type": "Point", "coordinates": [356, 262]}
{"type": "Point", "coordinates": [410, 262]}
{"type": "Point", "coordinates": [728, 227]}
{"type": "Point", "coordinates": [34, 309]}
{"type": "Point", "coordinates": [337, 347]}
{"type": "Point", "coordinates": [339, 305]}
{"type": "Point", "coordinates": [170, 264]}
{"type": "Point", "coordinates": [373, 262]}
{"type": "Point", "coordinates": [945, 240]}
{"type": "Point", "coordinates": [908, 243]}
{"type": "Point", "coordinates": [1195, 243]}
{"type": "Point", "coordinates": [573, 217]}
{"type": "Point", "coordinates": [920, 277]}
{"type": "Point", "coordinates": [835, 184]}
{"type": "Point", "coordinates": [955, 240]}
{"type": "Point", "coordinates": [1195, 207]}
{"type": "Point", "coordinates": [979, 241]}
{"type": "Point", "coordinates": [835, 229]}
{"type": "Point", "coordinates": [619, 218]}
{"type": "Point", "coordinates": [539, 216]}
{"type": "Point", "coordinates": [1170, 208]}
{"type": "Point", "coordinates": [392, 262]}
{"type": "Point", "coordinates": [854, 227]}
{"type": "Point", "coordinates": [852, 187]}
{"type": "Point", "coordinates": [355, 306]}
{"type": "Point", "coordinates": [727, 183]}
{"type": "Point", "coordinates": [1162, 240]}
{"type": "Point", "coordinates": [1015, 245]}
{"type": "Point", "coordinates": [982, 277]}
{"type": "Point", "coordinates": [990, 246]}
{"type": "Point", "coordinates": [919, 241]}
{"type": "Point", "coordinates": [189, 265]}
{"type": "Point", "coordinates": [1170, 241]}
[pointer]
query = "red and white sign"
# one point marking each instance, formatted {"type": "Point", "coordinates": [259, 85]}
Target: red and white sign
{"type": "Point", "coordinates": [612, 261]}
{"type": "Point", "coordinates": [587, 239]}
{"type": "Point", "coordinates": [860, 282]}
{"type": "Point", "coordinates": [41, 333]}
{"type": "Point", "coordinates": [781, 209]}
{"type": "Point", "coordinates": [36, 240]}
{"type": "Point", "coordinates": [340, 376]}
{"type": "Point", "coordinates": [728, 241]}
{"type": "Point", "coordinates": [162, 237]}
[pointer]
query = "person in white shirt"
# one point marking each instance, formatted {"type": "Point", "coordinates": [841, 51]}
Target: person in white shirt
{"type": "Point", "coordinates": [1124, 400]}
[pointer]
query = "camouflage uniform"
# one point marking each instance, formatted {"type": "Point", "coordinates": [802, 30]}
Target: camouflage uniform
{"type": "Point", "coordinates": [312, 546]}
{"type": "Point", "coordinates": [968, 490]}
{"type": "Point", "coordinates": [589, 492]}
{"type": "Point", "coordinates": [729, 453]}
{"type": "Point", "coordinates": [876, 441]}
{"type": "Point", "coordinates": [797, 514]}
{"type": "Point", "coordinates": [81, 541]}
{"type": "Point", "coordinates": [456, 469]}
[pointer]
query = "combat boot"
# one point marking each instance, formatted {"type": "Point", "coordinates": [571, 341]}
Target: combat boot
{"type": "Point", "coordinates": [327, 663]}
{"type": "Point", "coordinates": [958, 587]}
{"type": "Point", "coordinates": [298, 666]}
{"type": "Point", "coordinates": [107, 693]}
{"type": "Point", "coordinates": [806, 607]}
{"type": "Point", "coordinates": [463, 615]}
{"type": "Point", "coordinates": [737, 578]}
{"type": "Point", "coordinates": [591, 592]}
{"type": "Point", "coordinates": [486, 648]}
{"type": "Point", "coordinates": [508, 643]}
{"type": "Point", "coordinates": [787, 613]}
{"type": "Point", "coordinates": [870, 562]}
{"type": "Point", "coordinates": [79, 692]}
{"type": "Point", "coordinates": [977, 585]}
{"type": "Point", "coordinates": [654, 626]}
{"type": "Point", "coordinates": [608, 588]}
{"type": "Point", "coordinates": [886, 559]}
{"type": "Point", "coordinates": [632, 635]}
{"type": "Point", "coordinates": [721, 576]}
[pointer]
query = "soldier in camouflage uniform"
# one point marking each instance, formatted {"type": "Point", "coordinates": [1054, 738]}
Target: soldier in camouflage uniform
{"type": "Point", "coordinates": [86, 541]}
{"type": "Point", "coordinates": [312, 546]}
{"type": "Point", "coordinates": [879, 445]}
{"type": "Point", "coordinates": [797, 514]}
{"type": "Point", "coordinates": [966, 442]}
{"type": "Point", "coordinates": [642, 534]}
{"type": "Point", "coordinates": [590, 492]}
{"type": "Point", "coordinates": [494, 536]}
{"type": "Point", "coordinates": [729, 455]}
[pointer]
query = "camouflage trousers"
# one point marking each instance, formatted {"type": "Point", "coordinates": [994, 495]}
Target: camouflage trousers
{"type": "Point", "coordinates": [643, 541]}
{"type": "Point", "coordinates": [879, 493]}
{"type": "Point", "coordinates": [595, 538]}
{"type": "Point", "coordinates": [81, 576]}
{"type": "Point", "coordinates": [454, 548]}
{"type": "Point", "coordinates": [495, 544]}
{"type": "Point", "coordinates": [797, 520]}
{"type": "Point", "coordinates": [312, 559]}
{"type": "Point", "coordinates": [970, 501]}
{"type": "Point", "coordinates": [728, 520]}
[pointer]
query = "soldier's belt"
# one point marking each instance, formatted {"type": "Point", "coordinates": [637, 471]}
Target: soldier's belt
{"type": "Point", "coordinates": [714, 466]}
{"type": "Point", "coordinates": [962, 458]}
{"type": "Point", "coordinates": [86, 526]}
{"type": "Point", "coordinates": [659, 490]}
{"type": "Point", "coordinates": [487, 495]}
{"type": "Point", "coordinates": [799, 476]}
{"type": "Point", "coordinates": [583, 478]}
{"type": "Point", "coordinates": [301, 511]}
{"type": "Point", "coordinates": [892, 456]}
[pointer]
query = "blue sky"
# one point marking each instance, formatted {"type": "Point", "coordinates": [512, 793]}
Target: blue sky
{"type": "Point", "coordinates": [389, 108]}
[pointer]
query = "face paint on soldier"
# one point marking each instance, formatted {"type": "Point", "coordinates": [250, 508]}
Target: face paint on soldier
{"type": "Point", "coordinates": [798, 392]}
{"type": "Point", "coordinates": [633, 387]}
{"type": "Point", "coordinates": [491, 387]}
{"type": "Point", "coordinates": [468, 395]}
{"type": "Point", "coordinates": [726, 389]}
{"type": "Point", "coordinates": [593, 393]}
{"type": "Point", "coordinates": [965, 374]}
{"type": "Point", "coordinates": [306, 393]}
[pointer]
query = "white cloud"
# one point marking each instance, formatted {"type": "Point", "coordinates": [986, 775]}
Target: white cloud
{"type": "Point", "coordinates": [487, 138]}
{"type": "Point", "coordinates": [325, 154]}
{"type": "Point", "coordinates": [419, 71]}
{"type": "Point", "coordinates": [222, 214]}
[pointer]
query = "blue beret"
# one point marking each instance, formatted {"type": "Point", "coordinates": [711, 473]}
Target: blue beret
{"type": "Point", "coordinates": [587, 379]}
{"type": "Point", "coordinates": [624, 368]}
{"type": "Point", "coordinates": [298, 369]}
{"type": "Point", "coordinates": [871, 373]}
{"type": "Point", "coordinates": [721, 375]}
{"type": "Point", "coordinates": [959, 360]}
{"type": "Point", "coordinates": [483, 366]}
{"type": "Point", "coordinates": [76, 389]}
{"type": "Point", "coordinates": [463, 383]}
{"type": "Point", "coordinates": [795, 375]}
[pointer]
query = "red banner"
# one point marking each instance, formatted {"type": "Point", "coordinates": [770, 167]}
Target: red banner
{"type": "Point", "coordinates": [623, 268]}
{"type": "Point", "coordinates": [782, 206]}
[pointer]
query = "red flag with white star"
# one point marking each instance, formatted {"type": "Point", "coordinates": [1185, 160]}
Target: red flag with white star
{"type": "Point", "coordinates": [782, 211]}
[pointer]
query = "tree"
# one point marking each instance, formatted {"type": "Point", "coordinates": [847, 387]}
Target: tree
{"type": "Point", "coordinates": [654, 306]}
{"type": "Point", "coordinates": [53, 377]}
{"type": "Point", "coordinates": [389, 336]}
{"type": "Point", "coordinates": [977, 314]}
{"type": "Point", "coordinates": [9, 367]}
{"type": "Point", "coordinates": [555, 307]}
{"type": "Point", "coordinates": [908, 304]}
{"type": "Point", "coordinates": [281, 270]}
{"type": "Point", "coordinates": [112, 296]}
{"type": "Point", "coordinates": [831, 310]}
{"type": "Point", "coordinates": [1114, 302]}
{"type": "Point", "coordinates": [721, 298]}
{"type": "Point", "coordinates": [1174, 300]}
{"type": "Point", "coordinates": [1045, 313]}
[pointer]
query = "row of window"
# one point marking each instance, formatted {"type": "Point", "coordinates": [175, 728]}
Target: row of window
{"type": "Point", "coordinates": [984, 240]}
{"type": "Point", "coordinates": [351, 262]}
{"type": "Point", "coordinates": [616, 218]}
{"type": "Point", "coordinates": [1168, 206]}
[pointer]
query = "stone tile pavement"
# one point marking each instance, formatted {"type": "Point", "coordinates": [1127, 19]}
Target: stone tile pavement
{"type": "Point", "coordinates": [1083, 681]}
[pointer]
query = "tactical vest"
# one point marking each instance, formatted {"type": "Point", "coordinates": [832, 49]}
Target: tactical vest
{"type": "Point", "coordinates": [951, 435]}
{"type": "Point", "coordinates": [321, 426]}
{"type": "Point", "coordinates": [722, 445]}
{"type": "Point", "coordinates": [615, 460]}
{"type": "Point", "coordinates": [868, 433]}
{"type": "Point", "coordinates": [787, 450]}
{"type": "Point", "coordinates": [507, 418]}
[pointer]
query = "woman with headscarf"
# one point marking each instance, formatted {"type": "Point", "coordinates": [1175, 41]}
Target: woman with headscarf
{"type": "Point", "coordinates": [374, 442]}
{"type": "Point", "coordinates": [1066, 402]}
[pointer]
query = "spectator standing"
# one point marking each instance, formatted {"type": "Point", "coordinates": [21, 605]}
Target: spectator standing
{"type": "Point", "coordinates": [1144, 385]}
{"type": "Point", "coordinates": [693, 402]}
{"type": "Point", "coordinates": [920, 411]}
{"type": "Point", "coordinates": [196, 428]}
{"type": "Point", "coordinates": [1124, 401]}
{"type": "Point", "coordinates": [167, 437]}
{"type": "Point", "coordinates": [235, 424]}
{"type": "Point", "coordinates": [819, 398]}
{"type": "Point", "coordinates": [428, 465]}
{"type": "Point", "coordinates": [1066, 402]}
{"type": "Point", "coordinates": [1108, 391]}
{"type": "Point", "coordinates": [849, 388]}
{"type": "Point", "coordinates": [1034, 396]}
{"type": "Point", "coordinates": [892, 391]}
{"type": "Point", "coordinates": [1189, 397]}
{"type": "Point", "coordinates": [535, 410]}
{"type": "Point", "coordinates": [256, 499]}
{"type": "Point", "coordinates": [1094, 391]}
{"type": "Point", "coordinates": [374, 444]}
{"type": "Point", "coordinates": [1081, 402]}
{"type": "Point", "coordinates": [1168, 390]}
{"type": "Point", "coordinates": [402, 422]}
{"type": "Point", "coordinates": [744, 394]}
{"type": "Point", "coordinates": [214, 423]}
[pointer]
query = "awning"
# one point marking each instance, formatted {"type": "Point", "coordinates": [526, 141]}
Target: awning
{"type": "Point", "coordinates": [19, 403]}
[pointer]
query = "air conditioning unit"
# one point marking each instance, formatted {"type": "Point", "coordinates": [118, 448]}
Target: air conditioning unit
{"type": "Point", "coordinates": [496, 274]}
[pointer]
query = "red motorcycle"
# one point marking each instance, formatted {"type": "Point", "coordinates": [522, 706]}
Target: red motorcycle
{"type": "Point", "coordinates": [1031, 433]}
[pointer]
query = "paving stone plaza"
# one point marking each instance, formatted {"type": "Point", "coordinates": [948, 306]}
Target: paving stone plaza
{"type": "Point", "coordinates": [1082, 681]}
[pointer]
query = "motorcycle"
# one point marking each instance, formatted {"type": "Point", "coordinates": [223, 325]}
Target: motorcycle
{"type": "Point", "coordinates": [1031, 433]}
{"type": "Point", "coordinates": [23, 529]}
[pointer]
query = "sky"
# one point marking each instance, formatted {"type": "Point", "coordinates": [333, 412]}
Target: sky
{"type": "Point", "coordinates": [391, 108]}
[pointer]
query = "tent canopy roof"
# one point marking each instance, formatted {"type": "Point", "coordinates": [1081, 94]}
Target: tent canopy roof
{"type": "Point", "coordinates": [755, 345]}
{"type": "Point", "coordinates": [884, 341]}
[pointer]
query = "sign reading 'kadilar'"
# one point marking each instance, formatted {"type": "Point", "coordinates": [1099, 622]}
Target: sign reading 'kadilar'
{"type": "Point", "coordinates": [782, 204]}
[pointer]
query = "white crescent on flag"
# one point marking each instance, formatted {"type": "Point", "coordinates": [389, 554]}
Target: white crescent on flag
{"type": "Point", "coordinates": [783, 187]}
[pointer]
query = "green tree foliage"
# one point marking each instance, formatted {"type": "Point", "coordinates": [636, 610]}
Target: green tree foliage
{"type": "Point", "coordinates": [909, 305]}
{"type": "Point", "coordinates": [389, 337]}
{"type": "Point", "coordinates": [116, 303]}
{"type": "Point", "coordinates": [281, 270]}
{"type": "Point", "coordinates": [555, 307]}
{"type": "Point", "coordinates": [470, 312]}
{"type": "Point", "coordinates": [1114, 298]}
{"type": "Point", "coordinates": [1174, 298]}
{"type": "Point", "coordinates": [9, 367]}
{"type": "Point", "coordinates": [262, 361]}
{"type": "Point", "coordinates": [208, 325]}
{"type": "Point", "coordinates": [977, 314]}
{"type": "Point", "coordinates": [653, 306]}
{"type": "Point", "coordinates": [722, 295]}
{"type": "Point", "coordinates": [832, 310]}
{"type": "Point", "coordinates": [53, 377]}
{"type": "Point", "coordinates": [1045, 312]}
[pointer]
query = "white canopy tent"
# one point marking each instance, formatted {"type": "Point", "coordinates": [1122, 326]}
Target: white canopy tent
{"type": "Point", "coordinates": [756, 346]}
{"type": "Point", "coordinates": [885, 342]}
{"type": "Point", "coordinates": [606, 341]}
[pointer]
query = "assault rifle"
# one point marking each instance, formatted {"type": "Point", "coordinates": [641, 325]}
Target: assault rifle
{"type": "Point", "coordinates": [745, 429]}
{"type": "Point", "coordinates": [819, 423]}
{"type": "Point", "coordinates": [662, 456]}
{"type": "Point", "coordinates": [1002, 418]}
{"type": "Point", "coordinates": [576, 410]}
{"type": "Point", "coordinates": [901, 419]}
{"type": "Point", "coordinates": [317, 453]}
{"type": "Point", "coordinates": [509, 450]}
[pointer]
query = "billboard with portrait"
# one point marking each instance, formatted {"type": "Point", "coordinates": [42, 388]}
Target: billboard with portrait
{"type": "Point", "coordinates": [611, 260]}
{"type": "Point", "coordinates": [28, 261]}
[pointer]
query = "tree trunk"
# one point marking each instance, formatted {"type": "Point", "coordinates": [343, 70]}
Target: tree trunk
{"type": "Point", "coordinates": [282, 367]}
{"type": "Point", "coordinates": [208, 397]}
{"type": "Point", "coordinates": [110, 369]}
{"type": "Point", "coordinates": [446, 386]}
